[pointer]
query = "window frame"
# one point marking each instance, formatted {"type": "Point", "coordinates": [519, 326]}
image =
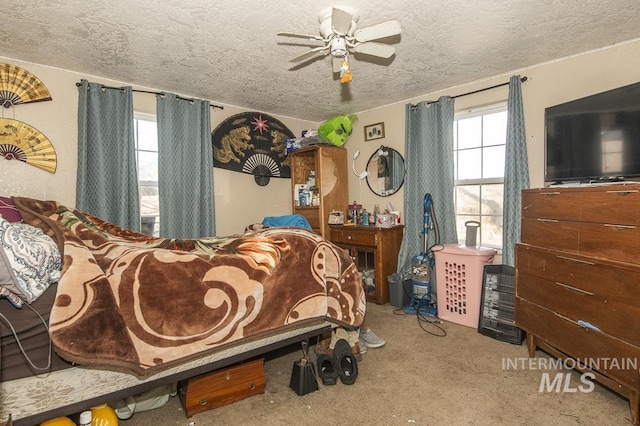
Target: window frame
{"type": "Point", "coordinates": [466, 114]}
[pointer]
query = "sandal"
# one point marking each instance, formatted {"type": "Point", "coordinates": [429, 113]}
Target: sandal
{"type": "Point", "coordinates": [345, 362]}
{"type": "Point", "coordinates": [327, 369]}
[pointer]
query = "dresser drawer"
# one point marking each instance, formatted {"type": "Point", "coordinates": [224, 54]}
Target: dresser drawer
{"type": "Point", "coordinates": [611, 315]}
{"type": "Point", "coordinates": [353, 237]}
{"type": "Point", "coordinates": [550, 204]}
{"type": "Point", "coordinates": [616, 358]}
{"type": "Point", "coordinates": [618, 204]}
{"type": "Point", "coordinates": [587, 204]}
{"type": "Point", "coordinates": [222, 387]}
{"type": "Point", "coordinates": [560, 235]}
{"type": "Point", "coordinates": [608, 280]}
{"type": "Point", "coordinates": [610, 240]}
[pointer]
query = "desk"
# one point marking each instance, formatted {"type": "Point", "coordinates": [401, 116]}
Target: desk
{"type": "Point", "coordinates": [375, 251]}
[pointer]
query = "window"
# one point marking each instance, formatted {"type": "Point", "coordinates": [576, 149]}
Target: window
{"type": "Point", "coordinates": [479, 157]}
{"type": "Point", "coordinates": [146, 139]}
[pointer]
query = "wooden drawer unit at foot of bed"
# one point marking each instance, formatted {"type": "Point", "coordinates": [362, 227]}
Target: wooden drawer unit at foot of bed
{"type": "Point", "coordinates": [222, 387]}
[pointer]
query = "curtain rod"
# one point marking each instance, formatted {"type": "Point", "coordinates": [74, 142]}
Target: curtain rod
{"type": "Point", "coordinates": [151, 93]}
{"type": "Point", "coordinates": [522, 79]}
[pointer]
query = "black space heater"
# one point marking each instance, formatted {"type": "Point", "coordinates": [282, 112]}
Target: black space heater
{"type": "Point", "coordinates": [497, 304]}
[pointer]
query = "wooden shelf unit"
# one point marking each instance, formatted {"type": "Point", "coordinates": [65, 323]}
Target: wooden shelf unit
{"type": "Point", "coordinates": [330, 166]}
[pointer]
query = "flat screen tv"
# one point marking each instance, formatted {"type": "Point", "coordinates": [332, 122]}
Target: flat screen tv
{"type": "Point", "coordinates": [594, 139]}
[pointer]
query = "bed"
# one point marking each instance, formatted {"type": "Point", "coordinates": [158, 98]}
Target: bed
{"type": "Point", "coordinates": [131, 312]}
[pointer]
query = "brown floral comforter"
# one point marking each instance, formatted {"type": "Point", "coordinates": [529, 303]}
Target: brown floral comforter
{"type": "Point", "coordinates": [130, 300]}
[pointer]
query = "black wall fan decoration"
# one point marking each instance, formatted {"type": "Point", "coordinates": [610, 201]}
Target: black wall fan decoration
{"type": "Point", "coordinates": [253, 143]}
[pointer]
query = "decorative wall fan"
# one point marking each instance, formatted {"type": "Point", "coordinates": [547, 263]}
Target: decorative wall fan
{"type": "Point", "coordinates": [19, 141]}
{"type": "Point", "coordinates": [340, 34]}
{"type": "Point", "coordinates": [19, 86]}
{"type": "Point", "coordinates": [253, 143]}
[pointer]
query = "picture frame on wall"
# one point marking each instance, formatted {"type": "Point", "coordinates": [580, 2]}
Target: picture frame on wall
{"type": "Point", "coordinates": [374, 131]}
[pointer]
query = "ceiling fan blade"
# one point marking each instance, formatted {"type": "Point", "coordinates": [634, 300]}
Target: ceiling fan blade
{"type": "Point", "coordinates": [375, 49]}
{"type": "Point", "coordinates": [340, 21]}
{"type": "Point", "coordinates": [307, 36]}
{"type": "Point", "coordinates": [378, 31]}
{"type": "Point", "coordinates": [309, 54]}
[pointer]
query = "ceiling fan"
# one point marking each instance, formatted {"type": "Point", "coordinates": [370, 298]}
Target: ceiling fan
{"type": "Point", "coordinates": [340, 34]}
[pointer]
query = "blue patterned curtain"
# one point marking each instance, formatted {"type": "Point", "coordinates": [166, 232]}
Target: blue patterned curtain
{"type": "Point", "coordinates": [429, 161]}
{"type": "Point", "coordinates": [107, 182]}
{"type": "Point", "coordinates": [185, 167]}
{"type": "Point", "coordinates": [516, 173]}
{"type": "Point", "coordinates": [396, 170]}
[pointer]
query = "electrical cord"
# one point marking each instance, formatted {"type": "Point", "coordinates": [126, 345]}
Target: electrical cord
{"type": "Point", "coordinates": [428, 319]}
{"type": "Point", "coordinates": [421, 317]}
{"type": "Point", "coordinates": [15, 335]}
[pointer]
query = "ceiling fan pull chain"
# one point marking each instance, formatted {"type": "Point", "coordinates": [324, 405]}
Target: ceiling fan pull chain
{"type": "Point", "coordinates": [345, 70]}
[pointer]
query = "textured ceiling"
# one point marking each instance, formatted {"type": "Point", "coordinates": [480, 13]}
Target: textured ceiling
{"type": "Point", "coordinates": [227, 51]}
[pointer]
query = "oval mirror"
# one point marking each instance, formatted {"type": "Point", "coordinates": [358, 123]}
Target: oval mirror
{"type": "Point", "coordinates": [385, 171]}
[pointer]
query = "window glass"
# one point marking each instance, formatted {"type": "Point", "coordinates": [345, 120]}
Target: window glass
{"type": "Point", "coordinates": [468, 199]}
{"type": "Point", "coordinates": [148, 166]}
{"type": "Point", "coordinates": [493, 162]}
{"type": "Point", "coordinates": [146, 140]}
{"type": "Point", "coordinates": [492, 199]}
{"type": "Point", "coordinates": [470, 164]}
{"type": "Point", "coordinates": [148, 131]}
{"type": "Point", "coordinates": [469, 132]}
{"type": "Point", "coordinates": [494, 128]}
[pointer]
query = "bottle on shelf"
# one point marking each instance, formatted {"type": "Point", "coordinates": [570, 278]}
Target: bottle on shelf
{"type": "Point", "coordinates": [355, 210]}
{"type": "Point", "coordinates": [311, 180]}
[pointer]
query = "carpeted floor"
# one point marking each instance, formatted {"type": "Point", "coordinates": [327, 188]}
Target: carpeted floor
{"type": "Point", "coordinates": [416, 379]}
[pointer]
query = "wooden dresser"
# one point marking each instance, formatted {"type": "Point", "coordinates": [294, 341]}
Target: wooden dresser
{"type": "Point", "coordinates": [375, 251]}
{"type": "Point", "coordinates": [578, 280]}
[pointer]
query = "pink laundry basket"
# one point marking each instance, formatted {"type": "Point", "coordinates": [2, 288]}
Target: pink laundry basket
{"type": "Point", "coordinates": [459, 270]}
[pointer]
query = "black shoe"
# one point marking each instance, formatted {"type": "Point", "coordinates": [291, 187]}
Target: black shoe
{"type": "Point", "coordinates": [345, 362]}
{"type": "Point", "coordinates": [327, 369]}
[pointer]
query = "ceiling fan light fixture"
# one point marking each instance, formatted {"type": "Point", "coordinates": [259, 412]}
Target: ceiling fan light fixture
{"type": "Point", "coordinates": [339, 47]}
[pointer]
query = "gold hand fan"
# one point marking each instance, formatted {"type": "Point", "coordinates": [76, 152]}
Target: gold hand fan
{"type": "Point", "coordinates": [19, 86]}
{"type": "Point", "coordinates": [19, 141]}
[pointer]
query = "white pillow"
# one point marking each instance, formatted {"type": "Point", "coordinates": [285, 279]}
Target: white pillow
{"type": "Point", "coordinates": [31, 257]}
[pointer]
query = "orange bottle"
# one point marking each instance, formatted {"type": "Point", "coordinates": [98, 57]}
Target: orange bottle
{"type": "Point", "coordinates": [103, 415]}
{"type": "Point", "coordinates": [58, 421]}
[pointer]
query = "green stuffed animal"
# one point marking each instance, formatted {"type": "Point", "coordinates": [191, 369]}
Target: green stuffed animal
{"type": "Point", "coordinates": [337, 129]}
